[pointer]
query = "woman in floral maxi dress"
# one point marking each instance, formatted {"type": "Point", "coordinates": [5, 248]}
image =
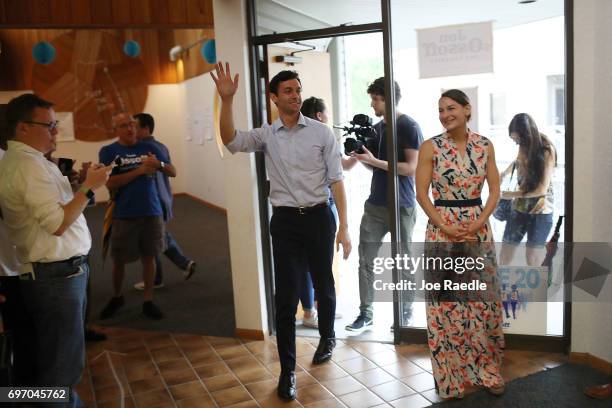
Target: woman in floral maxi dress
{"type": "Point", "coordinates": [465, 337]}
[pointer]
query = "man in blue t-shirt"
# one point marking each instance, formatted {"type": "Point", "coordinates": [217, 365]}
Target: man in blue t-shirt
{"type": "Point", "coordinates": [145, 124]}
{"type": "Point", "coordinates": [138, 226]}
{"type": "Point", "coordinates": [375, 220]}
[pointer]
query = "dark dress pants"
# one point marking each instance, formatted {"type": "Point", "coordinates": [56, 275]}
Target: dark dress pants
{"type": "Point", "coordinates": [302, 243]}
{"type": "Point", "coordinates": [19, 323]}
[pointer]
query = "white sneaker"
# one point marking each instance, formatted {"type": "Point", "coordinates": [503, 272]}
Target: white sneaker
{"type": "Point", "coordinates": [312, 321]}
{"type": "Point", "coordinates": [190, 270]}
{"type": "Point", "coordinates": [140, 285]}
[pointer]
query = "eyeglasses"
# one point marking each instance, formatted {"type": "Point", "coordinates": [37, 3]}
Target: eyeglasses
{"type": "Point", "coordinates": [49, 125]}
{"type": "Point", "coordinates": [126, 125]}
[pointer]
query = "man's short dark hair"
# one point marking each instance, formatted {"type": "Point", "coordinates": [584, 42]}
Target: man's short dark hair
{"type": "Point", "coordinates": [282, 77]}
{"type": "Point", "coordinates": [145, 120]}
{"type": "Point", "coordinates": [312, 106]}
{"type": "Point", "coordinates": [378, 88]}
{"type": "Point", "coordinates": [21, 109]}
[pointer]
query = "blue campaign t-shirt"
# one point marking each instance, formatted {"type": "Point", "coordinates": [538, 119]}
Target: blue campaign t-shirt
{"type": "Point", "coordinates": [138, 198]}
{"type": "Point", "coordinates": [409, 136]}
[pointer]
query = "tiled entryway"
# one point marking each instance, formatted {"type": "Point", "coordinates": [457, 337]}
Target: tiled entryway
{"type": "Point", "coordinates": [154, 369]}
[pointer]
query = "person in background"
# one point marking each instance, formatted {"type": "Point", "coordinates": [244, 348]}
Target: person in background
{"type": "Point", "coordinates": [45, 221]}
{"type": "Point", "coordinates": [137, 231]}
{"type": "Point", "coordinates": [14, 318]}
{"type": "Point", "coordinates": [302, 225]}
{"type": "Point", "coordinates": [145, 124]}
{"type": "Point", "coordinates": [375, 220]}
{"type": "Point", "coordinates": [314, 108]}
{"type": "Point", "coordinates": [533, 203]}
{"type": "Point", "coordinates": [465, 337]}
{"type": "Point", "coordinates": [76, 179]}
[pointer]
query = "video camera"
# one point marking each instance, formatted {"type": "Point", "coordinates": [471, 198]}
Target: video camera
{"type": "Point", "coordinates": [365, 135]}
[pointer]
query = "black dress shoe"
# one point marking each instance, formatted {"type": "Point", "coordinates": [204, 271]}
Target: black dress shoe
{"type": "Point", "coordinates": [286, 385]}
{"type": "Point", "coordinates": [92, 335]}
{"type": "Point", "coordinates": [324, 351]}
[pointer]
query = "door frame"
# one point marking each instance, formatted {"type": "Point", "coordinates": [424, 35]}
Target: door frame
{"type": "Point", "coordinates": [259, 75]}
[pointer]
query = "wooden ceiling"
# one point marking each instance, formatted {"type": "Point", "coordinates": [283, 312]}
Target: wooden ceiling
{"type": "Point", "coordinates": [17, 63]}
{"type": "Point", "coordinates": [106, 13]}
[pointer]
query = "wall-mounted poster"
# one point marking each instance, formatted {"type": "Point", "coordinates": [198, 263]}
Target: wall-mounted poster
{"type": "Point", "coordinates": [524, 294]}
{"type": "Point", "coordinates": [460, 49]}
{"type": "Point", "coordinates": [65, 127]}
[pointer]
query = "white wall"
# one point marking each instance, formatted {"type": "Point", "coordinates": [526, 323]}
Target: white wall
{"type": "Point", "coordinates": [239, 176]}
{"type": "Point", "coordinates": [201, 162]}
{"type": "Point", "coordinates": [592, 322]}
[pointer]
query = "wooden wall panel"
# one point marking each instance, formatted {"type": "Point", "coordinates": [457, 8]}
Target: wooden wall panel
{"type": "Point", "coordinates": [101, 13]}
{"type": "Point", "coordinates": [61, 11]}
{"type": "Point", "coordinates": [81, 11]}
{"type": "Point", "coordinates": [39, 11]}
{"type": "Point", "coordinates": [197, 10]}
{"type": "Point", "coordinates": [106, 13]}
{"type": "Point", "coordinates": [16, 62]}
{"type": "Point", "coordinates": [141, 11]}
{"type": "Point", "coordinates": [121, 12]}
{"type": "Point", "coordinates": [177, 13]}
{"type": "Point", "coordinates": [160, 12]}
{"type": "Point", "coordinates": [16, 10]}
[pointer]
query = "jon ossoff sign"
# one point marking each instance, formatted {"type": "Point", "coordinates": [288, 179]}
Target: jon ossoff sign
{"type": "Point", "coordinates": [455, 50]}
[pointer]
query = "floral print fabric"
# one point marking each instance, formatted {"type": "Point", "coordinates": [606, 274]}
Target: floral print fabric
{"type": "Point", "coordinates": [465, 337]}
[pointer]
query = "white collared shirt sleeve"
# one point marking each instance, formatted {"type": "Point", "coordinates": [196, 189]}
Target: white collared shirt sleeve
{"type": "Point", "coordinates": [333, 159]}
{"type": "Point", "coordinates": [247, 141]}
{"type": "Point", "coordinates": [42, 197]}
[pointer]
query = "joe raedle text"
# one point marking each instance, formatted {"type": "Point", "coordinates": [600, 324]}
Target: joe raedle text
{"type": "Point", "coordinates": [446, 284]}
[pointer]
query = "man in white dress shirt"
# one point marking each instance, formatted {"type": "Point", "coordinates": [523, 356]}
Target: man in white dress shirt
{"type": "Point", "coordinates": [45, 223]}
{"type": "Point", "coordinates": [14, 319]}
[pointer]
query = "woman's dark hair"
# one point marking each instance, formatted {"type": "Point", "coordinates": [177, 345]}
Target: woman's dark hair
{"type": "Point", "coordinates": [282, 77]}
{"type": "Point", "coordinates": [534, 146]}
{"type": "Point", "coordinates": [458, 96]}
{"type": "Point", "coordinates": [311, 106]}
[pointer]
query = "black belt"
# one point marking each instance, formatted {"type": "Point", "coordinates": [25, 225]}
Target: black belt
{"type": "Point", "coordinates": [74, 261]}
{"type": "Point", "coordinates": [458, 203]}
{"type": "Point", "coordinates": [46, 270]}
{"type": "Point", "coordinates": [302, 210]}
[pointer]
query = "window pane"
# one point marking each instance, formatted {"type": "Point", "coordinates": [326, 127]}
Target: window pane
{"type": "Point", "coordinates": [275, 16]}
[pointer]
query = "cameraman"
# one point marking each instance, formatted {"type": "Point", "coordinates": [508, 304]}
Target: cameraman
{"type": "Point", "coordinates": [375, 220]}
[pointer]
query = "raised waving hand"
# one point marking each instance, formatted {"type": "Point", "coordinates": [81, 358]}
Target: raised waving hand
{"type": "Point", "coordinates": [226, 86]}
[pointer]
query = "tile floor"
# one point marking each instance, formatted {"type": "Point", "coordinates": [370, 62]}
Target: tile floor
{"type": "Point", "coordinates": [156, 369]}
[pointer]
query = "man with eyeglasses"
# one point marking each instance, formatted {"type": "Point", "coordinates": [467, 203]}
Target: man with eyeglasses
{"type": "Point", "coordinates": [137, 230]}
{"type": "Point", "coordinates": [45, 222]}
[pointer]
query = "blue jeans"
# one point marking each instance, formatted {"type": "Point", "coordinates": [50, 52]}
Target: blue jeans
{"type": "Point", "coordinates": [536, 226]}
{"type": "Point", "coordinates": [56, 302]}
{"type": "Point", "coordinates": [174, 253]}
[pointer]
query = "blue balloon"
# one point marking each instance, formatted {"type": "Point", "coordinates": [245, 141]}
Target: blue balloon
{"type": "Point", "coordinates": [43, 52]}
{"type": "Point", "coordinates": [209, 51]}
{"type": "Point", "coordinates": [131, 48]}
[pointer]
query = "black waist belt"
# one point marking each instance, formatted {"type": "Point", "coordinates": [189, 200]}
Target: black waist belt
{"type": "Point", "coordinates": [458, 203]}
{"type": "Point", "coordinates": [302, 210]}
{"type": "Point", "coordinates": [74, 261]}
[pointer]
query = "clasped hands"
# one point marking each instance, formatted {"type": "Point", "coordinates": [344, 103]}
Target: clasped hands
{"type": "Point", "coordinates": [464, 232]}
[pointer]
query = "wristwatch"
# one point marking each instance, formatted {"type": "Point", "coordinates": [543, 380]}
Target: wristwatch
{"type": "Point", "coordinates": [162, 165]}
{"type": "Point", "coordinates": [87, 191]}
